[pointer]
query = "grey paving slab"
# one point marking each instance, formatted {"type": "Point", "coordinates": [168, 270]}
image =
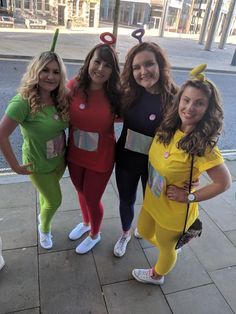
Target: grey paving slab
{"type": "Point", "coordinates": [221, 211]}
{"type": "Point", "coordinates": [110, 202]}
{"type": "Point", "coordinates": [69, 196]}
{"type": "Point", "coordinates": [202, 300]}
{"type": "Point", "coordinates": [113, 182]}
{"type": "Point", "coordinates": [132, 297]}
{"type": "Point", "coordinates": [187, 273]}
{"type": "Point", "coordinates": [69, 284]}
{"type": "Point", "coordinates": [19, 281]}
{"type": "Point", "coordinates": [17, 227]}
{"type": "Point", "coordinates": [204, 180]}
{"type": "Point", "coordinates": [30, 311]}
{"type": "Point", "coordinates": [137, 208]}
{"type": "Point", "coordinates": [232, 168]}
{"type": "Point", "coordinates": [139, 199]}
{"type": "Point", "coordinates": [230, 195]}
{"type": "Point", "coordinates": [17, 195]}
{"type": "Point", "coordinates": [213, 248]}
{"type": "Point", "coordinates": [225, 280]}
{"type": "Point", "coordinates": [114, 269]}
{"type": "Point", "coordinates": [62, 224]}
{"type": "Point", "coordinates": [232, 236]}
{"type": "Point", "coordinates": [12, 177]}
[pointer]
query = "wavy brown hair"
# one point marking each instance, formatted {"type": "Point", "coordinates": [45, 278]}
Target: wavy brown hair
{"type": "Point", "coordinates": [206, 133]}
{"type": "Point", "coordinates": [29, 85]}
{"type": "Point", "coordinates": [132, 91]}
{"type": "Point", "coordinates": [112, 86]}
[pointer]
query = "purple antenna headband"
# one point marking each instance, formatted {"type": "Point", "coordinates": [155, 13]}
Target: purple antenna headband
{"type": "Point", "coordinates": [138, 34]}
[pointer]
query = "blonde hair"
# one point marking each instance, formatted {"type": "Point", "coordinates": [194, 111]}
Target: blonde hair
{"type": "Point", "coordinates": [29, 84]}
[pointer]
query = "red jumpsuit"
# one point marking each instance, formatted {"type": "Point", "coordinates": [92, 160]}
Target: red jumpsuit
{"type": "Point", "coordinates": [91, 151]}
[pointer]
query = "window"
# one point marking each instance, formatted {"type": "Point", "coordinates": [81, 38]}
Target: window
{"type": "Point", "coordinates": [39, 5]}
{"type": "Point", "coordinates": [18, 4]}
{"type": "Point", "coordinates": [26, 4]}
{"type": "Point", "coordinates": [47, 7]}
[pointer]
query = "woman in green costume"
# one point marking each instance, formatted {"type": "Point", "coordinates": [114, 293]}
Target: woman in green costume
{"type": "Point", "coordinates": [41, 110]}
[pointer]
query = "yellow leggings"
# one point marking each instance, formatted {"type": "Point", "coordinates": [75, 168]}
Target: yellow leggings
{"type": "Point", "coordinates": [164, 239]}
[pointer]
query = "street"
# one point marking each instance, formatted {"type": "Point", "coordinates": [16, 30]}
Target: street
{"type": "Point", "coordinates": [11, 73]}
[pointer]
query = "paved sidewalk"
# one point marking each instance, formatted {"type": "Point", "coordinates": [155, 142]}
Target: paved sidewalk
{"type": "Point", "coordinates": [183, 50]}
{"type": "Point", "coordinates": [60, 281]}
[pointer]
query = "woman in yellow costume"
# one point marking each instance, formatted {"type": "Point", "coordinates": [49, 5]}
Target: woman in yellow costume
{"type": "Point", "coordinates": [189, 130]}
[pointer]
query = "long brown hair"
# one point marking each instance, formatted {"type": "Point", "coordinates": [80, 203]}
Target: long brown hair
{"type": "Point", "coordinates": [208, 129]}
{"type": "Point", "coordinates": [112, 86]}
{"type": "Point", "coordinates": [132, 90]}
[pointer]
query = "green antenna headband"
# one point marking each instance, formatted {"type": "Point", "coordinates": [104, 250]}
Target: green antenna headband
{"type": "Point", "coordinates": [54, 40]}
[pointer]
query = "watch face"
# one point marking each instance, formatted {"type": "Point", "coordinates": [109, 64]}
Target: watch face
{"type": "Point", "coordinates": [191, 197]}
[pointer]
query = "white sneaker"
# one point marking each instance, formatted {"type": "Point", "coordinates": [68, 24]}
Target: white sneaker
{"type": "Point", "coordinates": [78, 231]}
{"type": "Point", "coordinates": [2, 262]}
{"type": "Point", "coordinates": [45, 239]}
{"type": "Point", "coordinates": [87, 245]}
{"type": "Point", "coordinates": [121, 244]}
{"type": "Point", "coordinates": [146, 276]}
{"type": "Point", "coordinates": [136, 234]}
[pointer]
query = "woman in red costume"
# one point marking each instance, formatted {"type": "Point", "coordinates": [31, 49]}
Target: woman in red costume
{"type": "Point", "coordinates": [95, 99]}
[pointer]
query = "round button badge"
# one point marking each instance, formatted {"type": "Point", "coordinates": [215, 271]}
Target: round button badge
{"type": "Point", "coordinates": [82, 106]}
{"type": "Point", "coordinates": [166, 155]}
{"type": "Point", "coordinates": [152, 117]}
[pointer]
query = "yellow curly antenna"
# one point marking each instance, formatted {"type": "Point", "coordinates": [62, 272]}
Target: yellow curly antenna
{"type": "Point", "coordinates": [196, 73]}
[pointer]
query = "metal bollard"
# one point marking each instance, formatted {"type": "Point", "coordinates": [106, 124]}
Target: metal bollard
{"type": "Point", "coordinates": [233, 62]}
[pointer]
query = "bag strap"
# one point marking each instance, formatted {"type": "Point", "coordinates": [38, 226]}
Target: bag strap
{"type": "Point", "coordinates": [189, 190]}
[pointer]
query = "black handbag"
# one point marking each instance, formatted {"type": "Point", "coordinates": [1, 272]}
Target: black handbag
{"type": "Point", "coordinates": [195, 230]}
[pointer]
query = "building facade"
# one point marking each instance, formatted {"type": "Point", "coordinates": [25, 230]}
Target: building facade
{"type": "Point", "coordinates": [56, 12]}
{"type": "Point", "coordinates": [183, 15]}
{"type": "Point", "coordinates": [144, 13]}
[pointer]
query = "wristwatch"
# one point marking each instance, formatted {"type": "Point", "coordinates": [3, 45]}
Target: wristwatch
{"type": "Point", "coordinates": [191, 197]}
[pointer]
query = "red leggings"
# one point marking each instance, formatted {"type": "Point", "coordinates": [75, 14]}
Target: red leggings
{"type": "Point", "coordinates": [90, 186]}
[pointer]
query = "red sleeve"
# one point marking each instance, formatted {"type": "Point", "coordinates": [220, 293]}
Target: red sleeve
{"type": "Point", "coordinates": [71, 84]}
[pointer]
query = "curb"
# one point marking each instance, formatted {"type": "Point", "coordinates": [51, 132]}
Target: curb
{"type": "Point", "coordinates": [79, 61]}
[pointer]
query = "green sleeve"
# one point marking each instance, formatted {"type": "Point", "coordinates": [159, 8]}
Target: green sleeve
{"type": "Point", "coordinates": [18, 109]}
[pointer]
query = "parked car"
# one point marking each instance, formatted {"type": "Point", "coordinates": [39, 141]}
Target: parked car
{"type": "Point", "coordinates": [35, 23]}
{"type": "Point", "coordinates": [6, 21]}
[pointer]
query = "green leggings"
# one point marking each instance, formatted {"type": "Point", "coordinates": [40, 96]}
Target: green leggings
{"type": "Point", "coordinates": [50, 196]}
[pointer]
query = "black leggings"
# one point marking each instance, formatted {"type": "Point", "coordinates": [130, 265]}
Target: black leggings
{"type": "Point", "coordinates": [127, 184]}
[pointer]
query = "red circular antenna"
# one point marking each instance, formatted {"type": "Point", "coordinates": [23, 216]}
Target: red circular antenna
{"type": "Point", "coordinates": [108, 38]}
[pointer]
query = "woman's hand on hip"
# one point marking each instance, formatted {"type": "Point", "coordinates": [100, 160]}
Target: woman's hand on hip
{"type": "Point", "coordinates": [177, 194]}
{"type": "Point", "coordinates": [23, 169]}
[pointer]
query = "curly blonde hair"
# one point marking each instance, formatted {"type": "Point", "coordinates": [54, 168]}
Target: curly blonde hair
{"type": "Point", "coordinates": [29, 85]}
